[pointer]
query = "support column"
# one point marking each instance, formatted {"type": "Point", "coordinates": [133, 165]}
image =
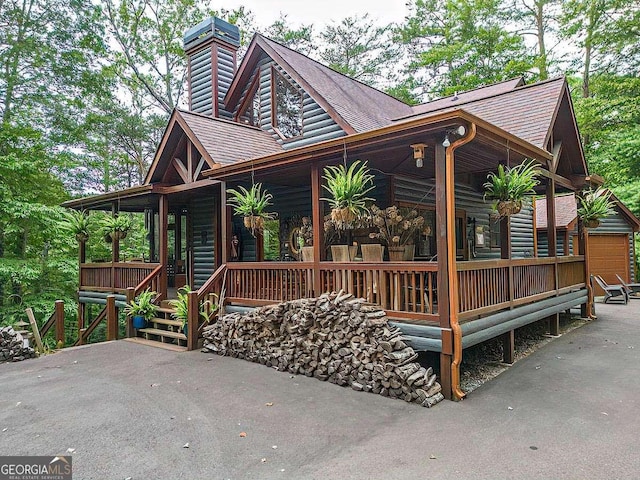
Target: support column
{"type": "Point", "coordinates": [163, 247]}
{"type": "Point", "coordinates": [505, 237]}
{"type": "Point", "coordinates": [551, 218]}
{"type": "Point", "coordinates": [60, 336]}
{"type": "Point", "coordinates": [112, 318]}
{"type": "Point", "coordinates": [317, 222]}
{"type": "Point", "coordinates": [508, 347]}
{"type": "Point", "coordinates": [554, 324]}
{"type": "Point", "coordinates": [446, 356]}
{"type": "Point", "coordinates": [115, 249]}
{"type": "Point", "coordinates": [586, 309]}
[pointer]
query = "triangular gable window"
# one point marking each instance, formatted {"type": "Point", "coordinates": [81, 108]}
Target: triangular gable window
{"type": "Point", "coordinates": [287, 109]}
{"type": "Point", "coordinates": [250, 108]}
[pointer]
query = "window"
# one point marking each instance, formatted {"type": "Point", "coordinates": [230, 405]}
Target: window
{"type": "Point", "coordinates": [494, 231]}
{"type": "Point", "coordinates": [271, 239]}
{"type": "Point", "coordinates": [287, 107]}
{"type": "Point", "coordinates": [250, 109]}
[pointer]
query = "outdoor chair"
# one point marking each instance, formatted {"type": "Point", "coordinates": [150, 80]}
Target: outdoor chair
{"type": "Point", "coordinates": [610, 291]}
{"type": "Point", "coordinates": [633, 289]}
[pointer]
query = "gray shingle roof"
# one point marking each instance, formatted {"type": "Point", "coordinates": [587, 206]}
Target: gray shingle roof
{"type": "Point", "coordinates": [361, 106]}
{"type": "Point", "coordinates": [229, 142]}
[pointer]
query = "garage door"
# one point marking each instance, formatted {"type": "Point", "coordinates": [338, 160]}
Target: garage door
{"type": "Point", "coordinates": [608, 256]}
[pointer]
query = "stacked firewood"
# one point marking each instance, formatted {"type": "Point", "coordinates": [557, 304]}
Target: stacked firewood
{"type": "Point", "coordinates": [335, 337]}
{"type": "Point", "coordinates": [12, 348]}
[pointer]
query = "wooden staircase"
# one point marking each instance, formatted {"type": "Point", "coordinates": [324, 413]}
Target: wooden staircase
{"type": "Point", "coordinates": [164, 330]}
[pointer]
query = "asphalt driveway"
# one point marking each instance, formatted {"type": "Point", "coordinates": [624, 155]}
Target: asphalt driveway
{"type": "Point", "coordinates": [570, 410]}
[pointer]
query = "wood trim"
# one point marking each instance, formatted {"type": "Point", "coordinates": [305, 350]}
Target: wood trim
{"type": "Point", "coordinates": [253, 87]}
{"type": "Point", "coordinates": [164, 190]}
{"type": "Point", "coordinates": [557, 151]}
{"type": "Point", "coordinates": [192, 136]}
{"type": "Point", "coordinates": [181, 169]}
{"type": "Point", "coordinates": [214, 80]}
{"type": "Point", "coordinates": [198, 169]}
{"type": "Point", "coordinates": [317, 223]}
{"type": "Point", "coordinates": [161, 146]}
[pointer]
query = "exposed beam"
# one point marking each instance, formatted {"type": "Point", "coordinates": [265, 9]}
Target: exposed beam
{"type": "Point", "coordinates": [182, 170]}
{"type": "Point", "coordinates": [557, 151]}
{"type": "Point", "coordinates": [199, 168]}
{"type": "Point", "coordinates": [559, 179]}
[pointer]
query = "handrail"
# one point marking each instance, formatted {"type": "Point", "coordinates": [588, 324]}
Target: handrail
{"type": "Point", "coordinates": [148, 279]}
{"type": "Point", "coordinates": [83, 335]}
{"type": "Point", "coordinates": [48, 324]}
{"type": "Point", "coordinates": [211, 282]}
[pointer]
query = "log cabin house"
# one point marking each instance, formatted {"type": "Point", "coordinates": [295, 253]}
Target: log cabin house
{"type": "Point", "coordinates": [279, 118]}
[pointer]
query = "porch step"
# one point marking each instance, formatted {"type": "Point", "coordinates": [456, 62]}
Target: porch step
{"type": "Point", "coordinates": [166, 321]}
{"type": "Point", "coordinates": [166, 310]}
{"type": "Point", "coordinates": [166, 305]}
{"type": "Point", "coordinates": [162, 333]}
{"type": "Point", "coordinates": [152, 343]}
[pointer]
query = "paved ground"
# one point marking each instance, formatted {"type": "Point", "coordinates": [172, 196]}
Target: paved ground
{"type": "Point", "coordinates": [570, 410]}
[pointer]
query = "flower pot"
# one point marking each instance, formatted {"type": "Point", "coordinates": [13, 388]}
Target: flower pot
{"type": "Point", "coordinates": [185, 329]}
{"type": "Point", "coordinates": [509, 207]}
{"type": "Point", "coordinates": [123, 234]}
{"type": "Point", "coordinates": [254, 223]}
{"type": "Point", "coordinates": [343, 253]}
{"type": "Point", "coordinates": [139, 322]}
{"type": "Point", "coordinates": [409, 253]}
{"type": "Point", "coordinates": [591, 223]}
{"type": "Point", "coordinates": [372, 252]}
{"type": "Point", "coordinates": [396, 254]}
{"type": "Point", "coordinates": [107, 238]}
{"type": "Point", "coordinates": [307, 254]}
{"type": "Point", "coordinates": [342, 218]}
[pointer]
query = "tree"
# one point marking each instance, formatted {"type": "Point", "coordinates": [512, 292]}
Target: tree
{"type": "Point", "coordinates": [357, 48]}
{"type": "Point", "coordinates": [539, 19]}
{"type": "Point", "coordinates": [300, 39]}
{"type": "Point", "coordinates": [459, 45]}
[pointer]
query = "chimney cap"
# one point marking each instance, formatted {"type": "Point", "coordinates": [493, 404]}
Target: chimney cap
{"type": "Point", "coordinates": [211, 28]}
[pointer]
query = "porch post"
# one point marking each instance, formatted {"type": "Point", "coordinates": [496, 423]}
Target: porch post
{"type": "Point", "coordinates": [318, 223]}
{"type": "Point", "coordinates": [224, 225]}
{"type": "Point", "coordinates": [586, 309]}
{"type": "Point", "coordinates": [442, 247]}
{"type": "Point", "coordinates": [505, 237]}
{"type": "Point", "coordinates": [115, 248]}
{"type": "Point", "coordinates": [163, 224]}
{"type": "Point", "coordinates": [551, 218]}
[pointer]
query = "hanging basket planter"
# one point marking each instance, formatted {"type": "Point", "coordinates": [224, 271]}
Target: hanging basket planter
{"type": "Point", "coordinates": [82, 237]}
{"type": "Point", "coordinates": [508, 208]}
{"type": "Point", "coordinates": [591, 223]}
{"type": "Point", "coordinates": [254, 223]}
{"type": "Point", "coordinates": [343, 218]}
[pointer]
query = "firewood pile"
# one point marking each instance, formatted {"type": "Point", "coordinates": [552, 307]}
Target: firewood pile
{"type": "Point", "coordinates": [12, 347]}
{"type": "Point", "coordinates": [335, 337]}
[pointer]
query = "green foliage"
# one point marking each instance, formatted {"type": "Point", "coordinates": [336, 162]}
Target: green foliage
{"type": "Point", "coordinates": [348, 187]}
{"type": "Point", "coordinates": [143, 305]}
{"type": "Point", "coordinates": [76, 222]}
{"type": "Point", "coordinates": [181, 305]}
{"type": "Point", "coordinates": [252, 202]}
{"type": "Point", "coordinates": [117, 224]}
{"type": "Point", "coordinates": [595, 204]}
{"type": "Point", "coordinates": [511, 183]}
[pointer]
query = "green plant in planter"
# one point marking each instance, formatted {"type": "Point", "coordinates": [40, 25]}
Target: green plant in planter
{"type": "Point", "coordinates": [142, 307]}
{"type": "Point", "coordinates": [116, 227]}
{"type": "Point", "coordinates": [594, 205]}
{"type": "Point", "coordinates": [181, 305]}
{"type": "Point", "coordinates": [509, 186]}
{"type": "Point", "coordinates": [348, 188]}
{"type": "Point", "coordinates": [77, 223]}
{"type": "Point", "coordinates": [251, 204]}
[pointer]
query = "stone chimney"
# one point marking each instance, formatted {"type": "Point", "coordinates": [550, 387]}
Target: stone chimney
{"type": "Point", "coordinates": [211, 48]}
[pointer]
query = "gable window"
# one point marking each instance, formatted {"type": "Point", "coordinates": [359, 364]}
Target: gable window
{"type": "Point", "coordinates": [250, 109]}
{"type": "Point", "coordinates": [287, 106]}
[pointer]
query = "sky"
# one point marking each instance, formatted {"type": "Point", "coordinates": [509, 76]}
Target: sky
{"type": "Point", "coordinates": [321, 12]}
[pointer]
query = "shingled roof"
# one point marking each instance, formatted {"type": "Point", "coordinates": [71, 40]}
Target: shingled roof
{"type": "Point", "coordinates": [360, 106]}
{"type": "Point", "coordinates": [566, 211]}
{"type": "Point", "coordinates": [229, 142]}
{"type": "Point", "coordinates": [526, 111]}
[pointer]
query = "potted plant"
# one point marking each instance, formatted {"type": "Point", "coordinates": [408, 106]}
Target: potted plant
{"type": "Point", "coordinates": [396, 228]}
{"type": "Point", "coordinates": [305, 239]}
{"type": "Point", "coordinates": [142, 309]}
{"type": "Point", "coordinates": [594, 205]}
{"type": "Point", "coordinates": [348, 188]}
{"type": "Point", "coordinates": [76, 222]}
{"type": "Point", "coordinates": [509, 186]}
{"type": "Point", "coordinates": [181, 305]}
{"type": "Point", "coordinates": [116, 227]}
{"type": "Point", "coordinates": [251, 204]}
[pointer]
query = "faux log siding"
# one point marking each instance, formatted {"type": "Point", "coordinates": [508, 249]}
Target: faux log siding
{"type": "Point", "coordinates": [543, 249]}
{"type": "Point", "coordinates": [225, 77]}
{"type": "Point", "coordinates": [422, 193]}
{"type": "Point", "coordinates": [201, 92]}
{"type": "Point", "coordinates": [317, 125]}
{"type": "Point", "coordinates": [202, 220]}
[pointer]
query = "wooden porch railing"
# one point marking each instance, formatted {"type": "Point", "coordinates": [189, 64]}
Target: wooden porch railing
{"type": "Point", "coordinates": [405, 290]}
{"type": "Point", "coordinates": [114, 277]}
{"type": "Point", "coordinates": [491, 285]}
{"type": "Point", "coordinates": [57, 319]}
{"type": "Point", "coordinates": [108, 313]}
